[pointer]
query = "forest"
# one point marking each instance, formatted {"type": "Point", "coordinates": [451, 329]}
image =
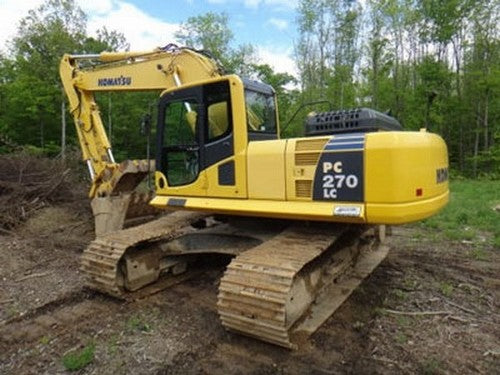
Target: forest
{"type": "Point", "coordinates": [429, 63]}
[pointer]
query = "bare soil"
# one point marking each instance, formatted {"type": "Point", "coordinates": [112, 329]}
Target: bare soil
{"type": "Point", "coordinates": [431, 307]}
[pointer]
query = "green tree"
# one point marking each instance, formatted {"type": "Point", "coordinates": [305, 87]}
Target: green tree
{"type": "Point", "coordinates": [211, 32]}
{"type": "Point", "coordinates": [482, 94]}
{"type": "Point", "coordinates": [106, 40]}
{"type": "Point", "coordinates": [45, 34]}
{"type": "Point", "coordinates": [376, 91]}
{"type": "Point", "coordinates": [33, 91]}
{"type": "Point", "coordinates": [327, 50]}
{"type": "Point", "coordinates": [31, 97]}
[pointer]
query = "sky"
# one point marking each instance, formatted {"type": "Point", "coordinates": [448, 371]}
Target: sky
{"type": "Point", "coordinates": [269, 25]}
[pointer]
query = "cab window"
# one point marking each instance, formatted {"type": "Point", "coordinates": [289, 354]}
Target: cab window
{"type": "Point", "coordinates": [261, 112]}
{"type": "Point", "coordinates": [218, 110]}
{"type": "Point", "coordinates": [180, 122]}
{"type": "Point", "coordinates": [181, 158]}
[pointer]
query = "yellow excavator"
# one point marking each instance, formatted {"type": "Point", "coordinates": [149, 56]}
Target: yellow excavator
{"type": "Point", "coordinates": [303, 218]}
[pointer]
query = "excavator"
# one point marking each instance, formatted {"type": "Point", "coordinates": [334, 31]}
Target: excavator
{"type": "Point", "coordinates": [303, 219]}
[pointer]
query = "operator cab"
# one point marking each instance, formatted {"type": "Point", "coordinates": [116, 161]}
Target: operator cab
{"type": "Point", "coordinates": [200, 126]}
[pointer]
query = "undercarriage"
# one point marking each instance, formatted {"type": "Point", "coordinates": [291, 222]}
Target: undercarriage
{"type": "Point", "coordinates": [284, 280]}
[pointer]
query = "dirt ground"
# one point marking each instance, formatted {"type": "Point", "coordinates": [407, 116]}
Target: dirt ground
{"type": "Point", "coordinates": [431, 307]}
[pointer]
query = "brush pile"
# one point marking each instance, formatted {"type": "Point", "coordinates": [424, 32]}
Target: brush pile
{"type": "Point", "coordinates": [29, 183]}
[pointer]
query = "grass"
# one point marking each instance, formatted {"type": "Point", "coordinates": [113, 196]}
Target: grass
{"type": "Point", "coordinates": [12, 311]}
{"type": "Point", "coordinates": [470, 212]}
{"type": "Point", "coordinates": [431, 366]}
{"type": "Point", "coordinates": [44, 340]}
{"type": "Point", "coordinates": [137, 323]}
{"type": "Point", "coordinates": [409, 283]}
{"type": "Point", "coordinates": [401, 338]}
{"type": "Point", "coordinates": [446, 288]}
{"type": "Point", "coordinates": [403, 320]}
{"type": "Point", "coordinates": [400, 294]}
{"type": "Point", "coordinates": [77, 360]}
{"type": "Point", "coordinates": [113, 344]}
{"type": "Point", "coordinates": [479, 254]}
{"type": "Point", "coordinates": [379, 311]}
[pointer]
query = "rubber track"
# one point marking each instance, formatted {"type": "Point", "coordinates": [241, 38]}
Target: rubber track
{"type": "Point", "coordinates": [101, 259]}
{"type": "Point", "coordinates": [255, 288]}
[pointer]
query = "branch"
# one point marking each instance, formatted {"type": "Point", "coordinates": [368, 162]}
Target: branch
{"type": "Point", "coordinates": [458, 319]}
{"type": "Point", "coordinates": [33, 275]}
{"type": "Point", "coordinates": [2, 230]}
{"type": "Point", "coordinates": [460, 307]}
{"type": "Point", "coordinates": [417, 313]}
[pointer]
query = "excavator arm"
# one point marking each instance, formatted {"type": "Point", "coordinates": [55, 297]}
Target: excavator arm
{"type": "Point", "coordinates": [85, 75]}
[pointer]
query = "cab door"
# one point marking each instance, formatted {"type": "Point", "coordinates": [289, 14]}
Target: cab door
{"type": "Point", "coordinates": [197, 139]}
{"type": "Point", "coordinates": [218, 141]}
{"type": "Point", "coordinates": [181, 115]}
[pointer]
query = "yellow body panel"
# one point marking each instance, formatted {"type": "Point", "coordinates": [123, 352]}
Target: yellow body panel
{"type": "Point", "coordinates": [302, 156]}
{"type": "Point", "coordinates": [401, 172]}
{"type": "Point", "coordinates": [404, 177]}
{"type": "Point", "coordinates": [401, 213]}
{"type": "Point", "coordinates": [398, 163]}
{"type": "Point", "coordinates": [266, 170]}
{"type": "Point", "coordinates": [240, 138]}
{"type": "Point", "coordinates": [216, 190]}
{"type": "Point", "coordinates": [316, 211]}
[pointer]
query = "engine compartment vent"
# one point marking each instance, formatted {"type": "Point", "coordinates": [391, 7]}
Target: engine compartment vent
{"type": "Point", "coordinates": [311, 144]}
{"type": "Point", "coordinates": [303, 188]}
{"type": "Point", "coordinates": [307, 158]}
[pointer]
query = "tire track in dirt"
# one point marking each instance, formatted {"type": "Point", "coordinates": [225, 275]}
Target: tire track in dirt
{"type": "Point", "coordinates": [55, 318]}
{"type": "Point", "coordinates": [70, 298]}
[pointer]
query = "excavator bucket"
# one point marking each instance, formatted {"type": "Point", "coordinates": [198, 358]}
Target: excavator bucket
{"type": "Point", "coordinates": [116, 199]}
{"type": "Point", "coordinates": [109, 213]}
{"type": "Point", "coordinates": [112, 213]}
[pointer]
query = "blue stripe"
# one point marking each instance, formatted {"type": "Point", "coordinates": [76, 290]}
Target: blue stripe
{"type": "Point", "coordinates": [346, 144]}
{"type": "Point", "coordinates": [346, 141]}
{"type": "Point", "coordinates": [357, 146]}
{"type": "Point", "coordinates": [344, 137]}
{"type": "Point", "coordinates": [343, 140]}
